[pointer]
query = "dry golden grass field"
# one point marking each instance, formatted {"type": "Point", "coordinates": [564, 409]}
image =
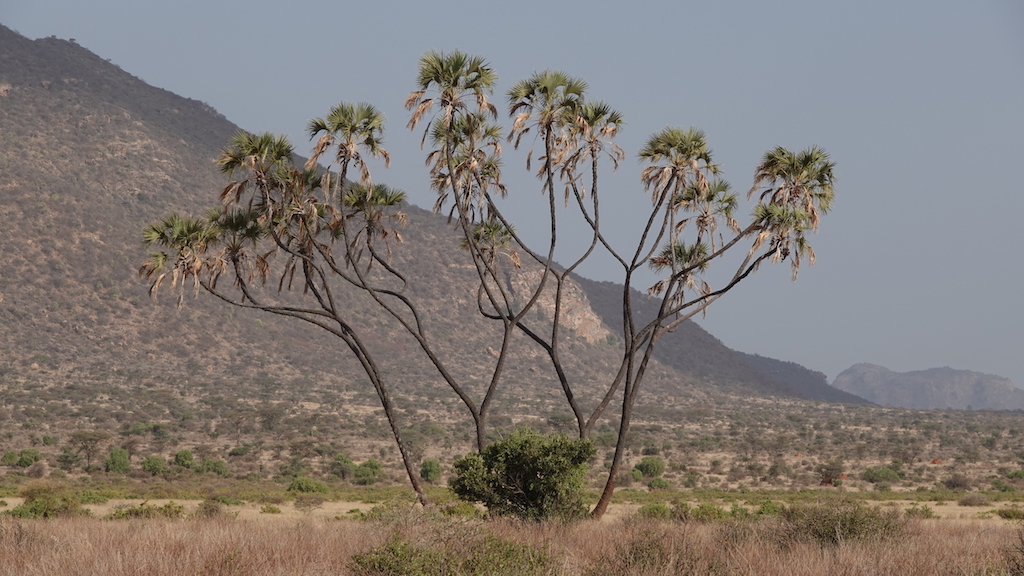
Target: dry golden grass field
{"type": "Point", "coordinates": [296, 543]}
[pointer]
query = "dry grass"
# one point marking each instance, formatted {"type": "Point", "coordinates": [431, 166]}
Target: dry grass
{"type": "Point", "coordinates": [625, 547]}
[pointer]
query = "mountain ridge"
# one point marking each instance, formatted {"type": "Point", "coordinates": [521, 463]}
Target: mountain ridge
{"type": "Point", "coordinates": [90, 154]}
{"type": "Point", "coordinates": [931, 388]}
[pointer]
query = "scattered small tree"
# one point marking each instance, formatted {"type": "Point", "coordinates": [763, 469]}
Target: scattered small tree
{"type": "Point", "coordinates": [431, 471]}
{"type": "Point", "coordinates": [184, 459]}
{"type": "Point", "coordinates": [651, 466]}
{"type": "Point", "coordinates": [154, 464]}
{"type": "Point", "coordinates": [88, 443]}
{"type": "Point", "coordinates": [117, 461]}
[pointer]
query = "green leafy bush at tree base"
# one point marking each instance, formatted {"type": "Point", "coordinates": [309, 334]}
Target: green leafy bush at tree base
{"type": "Point", "coordinates": [528, 474]}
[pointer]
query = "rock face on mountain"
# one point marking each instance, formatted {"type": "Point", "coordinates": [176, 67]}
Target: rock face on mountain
{"type": "Point", "coordinates": [932, 388]}
{"type": "Point", "coordinates": [90, 154]}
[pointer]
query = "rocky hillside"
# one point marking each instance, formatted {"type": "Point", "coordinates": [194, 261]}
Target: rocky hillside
{"type": "Point", "coordinates": [89, 154]}
{"type": "Point", "coordinates": [932, 388]}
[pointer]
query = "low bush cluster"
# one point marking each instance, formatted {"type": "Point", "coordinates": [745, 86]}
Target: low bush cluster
{"type": "Point", "coordinates": [834, 523]}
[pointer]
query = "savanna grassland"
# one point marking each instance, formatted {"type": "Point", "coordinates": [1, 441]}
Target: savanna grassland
{"type": "Point", "coordinates": [413, 543]}
{"type": "Point", "coordinates": [137, 438]}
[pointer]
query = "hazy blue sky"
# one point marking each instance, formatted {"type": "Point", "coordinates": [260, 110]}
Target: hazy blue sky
{"type": "Point", "coordinates": [920, 103]}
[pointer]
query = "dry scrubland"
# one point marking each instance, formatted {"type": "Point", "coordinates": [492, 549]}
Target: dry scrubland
{"type": "Point", "coordinates": [154, 547]}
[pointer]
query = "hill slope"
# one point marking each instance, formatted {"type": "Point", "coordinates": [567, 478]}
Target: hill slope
{"type": "Point", "coordinates": [89, 154]}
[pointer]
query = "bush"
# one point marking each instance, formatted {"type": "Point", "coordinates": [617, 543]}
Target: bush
{"type": "Point", "coordinates": [528, 474]}
{"type": "Point", "coordinates": [485, 556]}
{"type": "Point", "coordinates": [367, 473]}
{"type": "Point", "coordinates": [707, 512]}
{"type": "Point", "coordinates": [655, 511]}
{"type": "Point", "coordinates": [10, 458]}
{"type": "Point", "coordinates": [342, 467]}
{"type": "Point", "coordinates": [209, 509]}
{"type": "Point", "coordinates": [270, 509]}
{"type": "Point", "coordinates": [659, 484]}
{"type": "Point", "coordinates": [651, 466]}
{"type": "Point", "coordinates": [922, 512]}
{"type": "Point", "coordinates": [957, 482]}
{"type": "Point", "coordinates": [28, 457]}
{"type": "Point", "coordinates": [47, 500]}
{"type": "Point", "coordinates": [1012, 512]}
{"type": "Point", "coordinates": [117, 462]}
{"type": "Point", "coordinates": [146, 510]}
{"type": "Point", "coordinates": [304, 485]}
{"type": "Point", "coordinates": [154, 464]}
{"type": "Point", "coordinates": [430, 471]}
{"type": "Point", "coordinates": [882, 474]}
{"type": "Point", "coordinates": [184, 458]}
{"type": "Point", "coordinates": [834, 523]}
{"type": "Point", "coordinates": [218, 467]}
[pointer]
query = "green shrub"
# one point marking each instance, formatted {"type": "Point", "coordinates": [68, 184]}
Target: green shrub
{"type": "Point", "coordinates": [270, 509]}
{"type": "Point", "coordinates": [28, 457]}
{"type": "Point", "coordinates": [305, 485]}
{"type": "Point", "coordinates": [10, 458]}
{"type": "Point", "coordinates": [431, 471]}
{"type": "Point", "coordinates": [922, 512]}
{"type": "Point", "coordinates": [47, 500]}
{"type": "Point", "coordinates": [146, 510]}
{"type": "Point", "coordinates": [882, 474]}
{"type": "Point", "coordinates": [707, 512]}
{"type": "Point", "coordinates": [659, 484]}
{"type": "Point", "coordinates": [367, 473]}
{"type": "Point", "coordinates": [218, 467]}
{"type": "Point", "coordinates": [527, 474]}
{"type": "Point", "coordinates": [655, 511]}
{"type": "Point", "coordinates": [117, 462]}
{"type": "Point", "coordinates": [833, 523]}
{"type": "Point", "coordinates": [1012, 512]}
{"type": "Point", "coordinates": [209, 509]}
{"type": "Point", "coordinates": [154, 464]}
{"type": "Point", "coordinates": [184, 458]}
{"type": "Point", "coordinates": [91, 497]}
{"type": "Point", "coordinates": [342, 466]}
{"type": "Point", "coordinates": [769, 508]}
{"type": "Point", "coordinates": [651, 466]}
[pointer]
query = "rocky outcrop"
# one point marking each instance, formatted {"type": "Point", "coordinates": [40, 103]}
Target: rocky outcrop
{"type": "Point", "coordinates": [932, 388]}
